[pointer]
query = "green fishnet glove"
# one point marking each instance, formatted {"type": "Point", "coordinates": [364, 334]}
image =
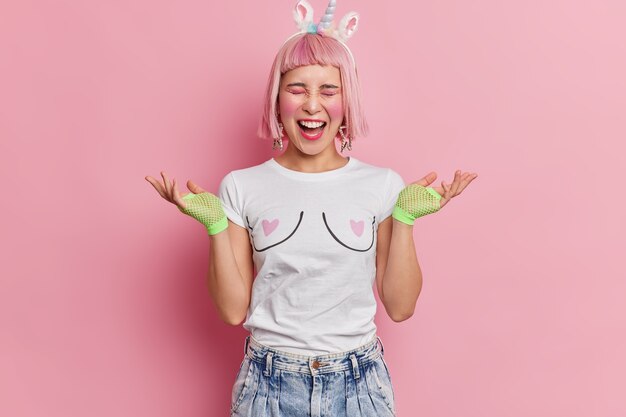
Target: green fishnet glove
{"type": "Point", "coordinates": [415, 201]}
{"type": "Point", "coordinates": [207, 209]}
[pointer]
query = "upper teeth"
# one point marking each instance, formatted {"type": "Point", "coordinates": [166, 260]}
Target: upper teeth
{"type": "Point", "coordinates": [311, 125]}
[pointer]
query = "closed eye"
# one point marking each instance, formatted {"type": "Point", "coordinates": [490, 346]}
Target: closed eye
{"type": "Point", "coordinates": [282, 241]}
{"type": "Point", "coordinates": [343, 244]}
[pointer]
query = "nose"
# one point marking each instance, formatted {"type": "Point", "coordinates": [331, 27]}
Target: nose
{"type": "Point", "coordinates": [312, 104]}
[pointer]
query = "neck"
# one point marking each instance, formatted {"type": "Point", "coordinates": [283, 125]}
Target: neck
{"type": "Point", "coordinates": [296, 160]}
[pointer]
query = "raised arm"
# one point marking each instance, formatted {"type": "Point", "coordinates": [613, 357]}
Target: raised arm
{"type": "Point", "coordinates": [398, 274]}
{"type": "Point", "coordinates": [230, 260]}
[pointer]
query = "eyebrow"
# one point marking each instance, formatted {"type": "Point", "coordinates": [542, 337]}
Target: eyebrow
{"type": "Point", "coordinates": [304, 85]}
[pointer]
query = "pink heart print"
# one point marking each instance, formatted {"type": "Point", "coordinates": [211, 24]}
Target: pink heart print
{"type": "Point", "coordinates": [269, 227]}
{"type": "Point", "coordinates": [357, 227]}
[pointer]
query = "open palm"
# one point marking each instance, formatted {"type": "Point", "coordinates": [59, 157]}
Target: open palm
{"type": "Point", "coordinates": [448, 191]}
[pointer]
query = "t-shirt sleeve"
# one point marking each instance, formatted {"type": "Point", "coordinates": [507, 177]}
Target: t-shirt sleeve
{"type": "Point", "coordinates": [393, 186]}
{"type": "Point", "coordinates": [229, 196]}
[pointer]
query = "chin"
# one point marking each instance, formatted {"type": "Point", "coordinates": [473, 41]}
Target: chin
{"type": "Point", "coordinates": [315, 148]}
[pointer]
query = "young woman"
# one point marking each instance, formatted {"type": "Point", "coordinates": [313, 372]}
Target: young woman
{"type": "Point", "coordinates": [319, 229]}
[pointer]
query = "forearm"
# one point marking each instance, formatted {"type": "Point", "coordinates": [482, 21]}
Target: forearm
{"type": "Point", "coordinates": [402, 281]}
{"type": "Point", "coordinates": [225, 282]}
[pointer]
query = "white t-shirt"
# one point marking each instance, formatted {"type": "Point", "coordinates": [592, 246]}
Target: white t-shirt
{"type": "Point", "coordinates": [314, 248]}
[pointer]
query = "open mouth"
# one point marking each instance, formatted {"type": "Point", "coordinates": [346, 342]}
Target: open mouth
{"type": "Point", "coordinates": [311, 130]}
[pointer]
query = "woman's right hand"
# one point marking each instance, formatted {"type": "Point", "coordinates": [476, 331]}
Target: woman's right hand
{"type": "Point", "coordinates": [169, 191]}
{"type": "Point", "coordinates": [199, 204]}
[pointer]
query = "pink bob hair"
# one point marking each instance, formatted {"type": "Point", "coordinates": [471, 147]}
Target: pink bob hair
{"type": "Point", "coordinates": [312, 49]}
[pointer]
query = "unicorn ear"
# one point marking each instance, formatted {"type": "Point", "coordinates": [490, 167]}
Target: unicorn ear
{"type": "Point", "coordinates": [303, 14]}
{"type": "Point", "coordinates": [348, 26]}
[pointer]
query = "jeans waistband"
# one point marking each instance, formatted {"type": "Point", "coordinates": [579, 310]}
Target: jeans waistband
{"type": "Point", "coordinates": [313, 365]}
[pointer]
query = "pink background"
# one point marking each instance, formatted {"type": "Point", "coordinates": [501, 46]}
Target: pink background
{"type": "Point", "coordinates": [104, 309]}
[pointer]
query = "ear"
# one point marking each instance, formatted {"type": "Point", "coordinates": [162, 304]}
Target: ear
{"type": "Point", "coordinates": [303, 15]}
{"type": "Point", "coordinates": [348, 26]}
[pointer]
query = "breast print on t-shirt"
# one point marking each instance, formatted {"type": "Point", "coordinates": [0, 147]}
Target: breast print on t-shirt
{"type": "Point", "coordinates": [312, 223]}
{"type": "Point", "coordinates": [329, 223]}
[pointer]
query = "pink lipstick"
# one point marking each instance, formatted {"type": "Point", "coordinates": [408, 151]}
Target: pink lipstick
{"type": "Point", "coordinates": [307, 133]}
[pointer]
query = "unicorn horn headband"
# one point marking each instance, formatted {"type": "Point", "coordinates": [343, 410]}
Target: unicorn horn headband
{"type": "Point", "coordinates": [303, 15]}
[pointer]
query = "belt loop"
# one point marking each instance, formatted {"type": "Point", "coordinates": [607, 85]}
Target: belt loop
{"type": "Point", "coordinates": [355, 367]}
{"type": "Point", "coordinates": [268, 364]}
{"type": "Point", "coordinates": [245, 347]}
{"type": "Point", "coordinates": [382, 348]}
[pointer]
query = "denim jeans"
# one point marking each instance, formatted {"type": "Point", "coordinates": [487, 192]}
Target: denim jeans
{"type": "Point", "coordinates": [274, 383]}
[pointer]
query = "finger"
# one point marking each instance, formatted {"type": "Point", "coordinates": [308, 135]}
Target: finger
{"type": "Point", "coordinates": [446, 188]}
{"type": "Point", "coordinates": [446, 191]}
{"type": "Point", "coordinates": [157, 185]}
{"type": "Point", "coordinates": [427, 179]}
{"type": "Point", "coordinates": [467, 178]}
{"type": "Point", "coordinates": [195, 188]}
{"type": "Point", "coordinates": [461, 184]}
{"type": "Point", "coordinates": [455, 183]}
{"type": "Point", "coordinates": [167, 184]}
{"type": "Point", "coordinates": [176, 195]}
{"type": "Point", "coordinates": [444, 194]}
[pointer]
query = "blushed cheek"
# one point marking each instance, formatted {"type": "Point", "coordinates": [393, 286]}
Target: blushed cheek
{"type": "Point", "coordinates": [287, 108]}
{"type": "Point", "coordinates": [335, 110]}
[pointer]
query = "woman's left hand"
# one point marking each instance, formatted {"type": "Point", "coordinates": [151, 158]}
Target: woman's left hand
{"type": "Point", "coordinates": [448, 191]}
